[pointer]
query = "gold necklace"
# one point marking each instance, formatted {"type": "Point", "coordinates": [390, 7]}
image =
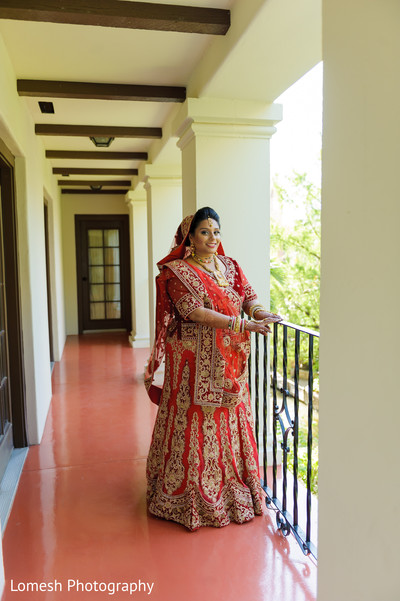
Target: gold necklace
{"type": "Point", "coordinates": [217, 273]}
{"type": "Point", "coordinates": [201, 259]}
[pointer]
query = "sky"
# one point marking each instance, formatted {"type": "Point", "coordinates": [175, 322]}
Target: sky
{"type": "Point", "coordinates": [297, 143]}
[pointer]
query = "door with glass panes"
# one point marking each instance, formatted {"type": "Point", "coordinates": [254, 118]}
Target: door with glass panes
{"type": "Point", "coordinates": [103, 272]}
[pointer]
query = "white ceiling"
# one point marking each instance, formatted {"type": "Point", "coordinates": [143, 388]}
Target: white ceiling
{"type": "Point", "coordinates": [80, 53]}
{"type": "Point", "coordinates": [269, 45]}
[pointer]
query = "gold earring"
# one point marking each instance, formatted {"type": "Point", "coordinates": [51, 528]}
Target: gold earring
{"type": "Point", "coordinates": [192, 248]}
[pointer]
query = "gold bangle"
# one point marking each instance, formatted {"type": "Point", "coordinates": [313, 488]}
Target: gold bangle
{"type": "Point", "coordinates": [254, 308]}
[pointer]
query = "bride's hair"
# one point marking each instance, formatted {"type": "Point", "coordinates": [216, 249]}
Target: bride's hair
{"type": "Point", "coordinates": [200, 215]}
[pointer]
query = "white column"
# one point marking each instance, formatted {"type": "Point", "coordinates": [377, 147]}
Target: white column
{"type": "Point", "coordinates": [140, 335]}
{"type": "Point", "coordinates": [225, 165]}
{"type": "Point", "coordinates": [164, 214]}
{"type": "Point", "coordinates": [359, 484]}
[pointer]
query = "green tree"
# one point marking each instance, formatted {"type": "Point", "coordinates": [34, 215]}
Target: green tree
{"type": "Point", "coordinates": [295, 285]}
{"type": "Point", "coordinates": [295, 251]}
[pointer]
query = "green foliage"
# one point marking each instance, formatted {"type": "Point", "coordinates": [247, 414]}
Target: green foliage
{"type": "Point", "coordinates": [295, 286]}
{"type": "Point", "coordinates": [295, 251]}
{"type": "Point", "coordinates": [302, 455]}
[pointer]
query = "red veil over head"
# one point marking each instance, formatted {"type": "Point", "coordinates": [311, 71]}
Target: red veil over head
{"type": "Point", "coordinates": [164, 305]}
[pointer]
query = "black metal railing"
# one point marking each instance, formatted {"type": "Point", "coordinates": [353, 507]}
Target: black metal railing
{"type": "Point", "coordinates": [283, 404]}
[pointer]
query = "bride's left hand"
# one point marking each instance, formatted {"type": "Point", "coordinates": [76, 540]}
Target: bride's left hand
{"type": "Point", "coordinates": [260, 327]}
{"type": "Point", "coordinates": [267, 317]}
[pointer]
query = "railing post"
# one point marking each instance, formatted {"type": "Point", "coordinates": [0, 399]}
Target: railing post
{"type": "Point", "coordinates": [310, 433]}
{"type": "Point", "coordinates": [296, 428]}
{"type": "Point", "coordinates": [265, 408]}
{"type": "Point", "coordinates": [281, 412]}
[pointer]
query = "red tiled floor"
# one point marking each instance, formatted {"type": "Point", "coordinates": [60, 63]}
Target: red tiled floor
{"type": "Point", "coordinates": [80, 510]}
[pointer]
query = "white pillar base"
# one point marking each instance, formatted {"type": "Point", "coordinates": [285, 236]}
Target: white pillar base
{"type": "Point", "coordinates": [137, 342]}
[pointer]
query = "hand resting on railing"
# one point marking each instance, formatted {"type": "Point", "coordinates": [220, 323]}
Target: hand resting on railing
{"type": "Point", "coordinates": [260, 325]}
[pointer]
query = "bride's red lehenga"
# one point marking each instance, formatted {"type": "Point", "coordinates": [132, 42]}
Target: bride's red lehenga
{"type": "Point", "coordinates": [202, 468]}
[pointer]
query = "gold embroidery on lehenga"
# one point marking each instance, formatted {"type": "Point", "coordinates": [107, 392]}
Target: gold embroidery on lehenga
{"type": "Point", "coordinates": [235, 441]}
{"type": "Point", "coordinates": [155, 454]}
{"type": "Point", "coordinates": [247, 447]}
{"type": "Point", "coordinates": [227, 455]}
{"type": "Point", "coordinates": [190, 334]}
{"type": "Point", "coordinates": [193, 458]}
{"type": "Point", "coordinates": [219, 488]}
{"type": "Point", "coordinates": [166, 441]}
{"type": "Point", "coordinates": [249, 412]}
{"type": "Point", "coordinates": [228, 383]}
{"type": "Point", "coordinates": [212, 474]}
{"type": "Point", "coordinates": [175, 370]}
{"type": "Point", "coordinates": [236, 503]}
{"type": "Point", "coordinates": [230, 399]}
{"type": "Point", "coordinates": [210, 372]}
{"type": "Point", "coordinates": [175, 350]}
{"type": "Point", "coordinates": [175, 469]}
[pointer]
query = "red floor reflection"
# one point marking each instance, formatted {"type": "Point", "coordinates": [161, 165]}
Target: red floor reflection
{"type": "Point", "coordinates": [79, 522]}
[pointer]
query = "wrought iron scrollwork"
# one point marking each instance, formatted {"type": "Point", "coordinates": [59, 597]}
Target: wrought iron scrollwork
{"type": "Point", "coordinates": [282, 523]}
{"type": "Point", "coordinates": [285, 427]}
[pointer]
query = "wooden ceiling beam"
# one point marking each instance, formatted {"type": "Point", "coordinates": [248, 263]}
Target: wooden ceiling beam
{"type": "Point", "coordinates": [83, 171]}
{"type": "Point", "coordinates": [117, 13]}
{"type": "Point", "coordinates": [86, 191]}
{"type": "Point", "coordinates": [94, 182]}
{"type": "Point", "coordinates": [45, 129]}
{"type": "Point", "coordinates": [97, 155]}
{"type": "Point", "coordinates": [99, 91]}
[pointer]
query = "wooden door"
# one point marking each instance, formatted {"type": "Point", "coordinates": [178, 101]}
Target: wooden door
{"type": "Point", "coordinates": [6, 439]}
{"type": "Point", "coordinates": [13, 429]}
{"type": "Point", "coordinates": [103, 272]}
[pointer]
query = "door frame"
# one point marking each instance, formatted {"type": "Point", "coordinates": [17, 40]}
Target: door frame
{"type": "Point", "coordinates": [13, 301]}
{"type": "Point", "coordinates": [125, 281]}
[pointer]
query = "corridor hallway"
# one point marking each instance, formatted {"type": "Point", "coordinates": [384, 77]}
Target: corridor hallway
{"type": "Point", "coordinates": [80, 509]}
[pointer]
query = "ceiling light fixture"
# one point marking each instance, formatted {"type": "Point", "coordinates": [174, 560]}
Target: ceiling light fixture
{"type": "Point", "coordinates": [96, 188]}
{"type": "Point", "coordinates": [101, 141]}
{"type": "Point", "coordinates": [46, 107]}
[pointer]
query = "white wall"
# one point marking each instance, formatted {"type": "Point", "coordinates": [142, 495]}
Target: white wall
{"type": "Point", "coordinates": [359, 498]}
{"type": "Point", "coordinates": [71, 205]}
{"type": "Point", "coordinates": [33, 176]}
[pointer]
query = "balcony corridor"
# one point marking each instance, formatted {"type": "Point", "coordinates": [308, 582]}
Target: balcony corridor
{"type": "Point", "coordinates": [80, 509]}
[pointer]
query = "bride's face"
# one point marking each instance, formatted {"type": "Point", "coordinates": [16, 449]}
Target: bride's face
{"type": "Point", "coordinates": [206, 237]}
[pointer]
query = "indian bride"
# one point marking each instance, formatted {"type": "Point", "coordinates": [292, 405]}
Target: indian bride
{"type": "Point", "coordinates": [202, 467]}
